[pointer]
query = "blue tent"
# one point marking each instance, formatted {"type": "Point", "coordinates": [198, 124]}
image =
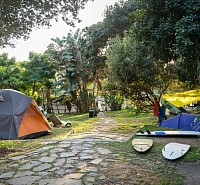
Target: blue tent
{"type": "Point", "coordinates": [182, 121]}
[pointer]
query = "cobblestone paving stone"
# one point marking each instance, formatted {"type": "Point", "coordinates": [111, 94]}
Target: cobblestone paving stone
{"type": "Point", "coordinates": [72, 161]}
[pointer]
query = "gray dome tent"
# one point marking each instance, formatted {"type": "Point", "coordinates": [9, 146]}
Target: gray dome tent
{"type": "Point", "coordinates": [20, 116]}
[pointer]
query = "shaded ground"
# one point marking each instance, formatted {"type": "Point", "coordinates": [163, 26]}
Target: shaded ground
{"type": "Point", "coordinates": [191, 172]}
{"type": "Point", "coordinates": [193, 141]}
{"type": "Point", "coordinates": [127, 173]}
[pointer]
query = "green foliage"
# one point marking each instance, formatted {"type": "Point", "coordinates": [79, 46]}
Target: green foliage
{"type": "Point", "coordinates": [113, 97]}
{"type": "Point", "coordinates": [18, 18]}
{"type": "Point", "coordinates": [78, 62]}
{"type": "Point", "coordinates": [115, 15]}
{"type": "Point", "coordinates": [187, 71]}
{"type": "Point", "coordinates": [38, 72]}
{"type": "Point", "coordinates": [157, 43]}
{"type": "Point", "coordinates": [80, 122]}
{"type": "Point", "coordinates": [174, 28]}
{"type": "Point", "coordinates": [28, 77]}
{"type": "Point", "coordinates": [73, 72]}
{"type": "Point", "coordinates": [161, 46]}
{"type": "Point", "coordinates": [10, 73]}
{"type": "Point", "coordinates": [136, 72]}
{"type": "Point", "coordinates": [187, 30]}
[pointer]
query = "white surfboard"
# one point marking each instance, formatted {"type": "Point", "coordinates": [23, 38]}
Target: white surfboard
{"type": "Point", "coordinates": [170, 133]}
{"type": "Point", "coordinates": [142, 145]}
{"type": "Point", "coordinates": [174, 150]}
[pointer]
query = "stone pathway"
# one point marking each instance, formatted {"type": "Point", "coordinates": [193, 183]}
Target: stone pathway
{"type": "Point", "coordinates": [103, 132]}
{"type": "Point", "coordinates": [72, 161]}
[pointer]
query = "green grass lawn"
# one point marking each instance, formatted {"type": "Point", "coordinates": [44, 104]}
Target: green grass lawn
{"type": "Point", "coordinates": [14, 147]}
{"type": "Point", "coordinates": [128, 121]}
{"type": "Point", "coordinates": [80, 123]}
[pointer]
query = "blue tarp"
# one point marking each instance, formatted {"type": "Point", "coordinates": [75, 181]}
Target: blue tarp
{"type": "Point", "coordinates": [182, 121]}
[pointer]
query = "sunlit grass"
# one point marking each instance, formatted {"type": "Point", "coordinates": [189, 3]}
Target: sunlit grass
{"type": "Point", "coordinates": [18, 146]}
{"type": "Point", "coordinates": [128, 121]}
{"type": "Point", "coordinates": [80, 122]}
{"type": "Point", "coordinates": [57, 133]}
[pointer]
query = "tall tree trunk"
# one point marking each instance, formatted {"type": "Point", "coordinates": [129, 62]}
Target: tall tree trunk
{"type": "Point", "coordinates": [83, 78]}
{"type": "Point", "coordinates": [48, 96]}
{"type": "Point", "coordinates": [33, 88]}
{"type": "Point", "coordinates": [86, 99]}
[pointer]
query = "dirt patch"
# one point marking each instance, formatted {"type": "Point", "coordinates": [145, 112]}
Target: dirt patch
{"type": "Point", "coordinates": [119, 173]}
{"type": "Point", "coordinates": [191, 173]}
{"type": "Point", "coordinates": [6, 151]}
{"type": "Point", "coordinates": [193, 141]}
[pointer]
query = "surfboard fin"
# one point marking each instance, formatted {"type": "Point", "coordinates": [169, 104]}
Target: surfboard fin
{"type": "Point", "coordinates": [148, 132]}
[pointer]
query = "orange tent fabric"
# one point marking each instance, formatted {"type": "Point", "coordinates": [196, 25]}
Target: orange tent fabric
{"type": "Point", "coordinates": [34, 121]}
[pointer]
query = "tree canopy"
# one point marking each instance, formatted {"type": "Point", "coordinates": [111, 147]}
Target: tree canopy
{"type": "Point", "coordinates": [40, 72]}
{"type": "Point", "coordinates": [174, 27]}
{"type": "Point", "coordinates": [140, 49]}
{"type": "Point", "coordinates": [18, 18]}
{"type": "Point", "coordinates": [9, 72]}
{"type": "Point", "coordinates": [116, 21]}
